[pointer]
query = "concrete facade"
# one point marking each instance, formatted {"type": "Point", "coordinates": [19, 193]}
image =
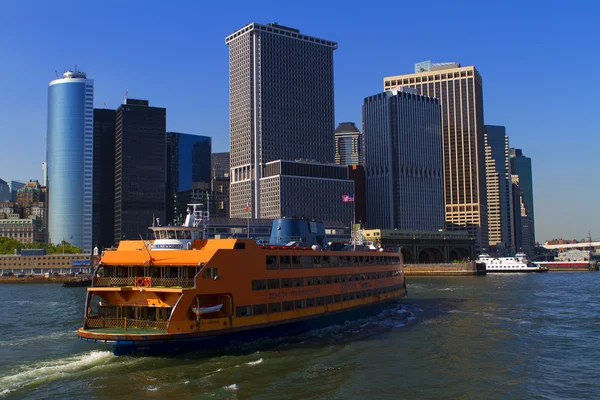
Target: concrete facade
{"type": "Point", "coordinates": [281, 105]}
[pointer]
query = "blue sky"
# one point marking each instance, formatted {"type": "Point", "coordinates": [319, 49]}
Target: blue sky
{"type": "Point", "coordinates": [539, 62]}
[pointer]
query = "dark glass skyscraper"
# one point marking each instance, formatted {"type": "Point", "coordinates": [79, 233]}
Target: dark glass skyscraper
{"type": "Point", "coordinates": [103, 219]}
{"type": "Point", "coordinates": [404, 165]}
{"type": "Point", "coordinates": [220, 183]}
{"type": "Point", "coordinates": [188, 165]}
{"type": "Point", "coordinates": [140, 168]}
{"type": "Point", "coordinates": [523, 177]}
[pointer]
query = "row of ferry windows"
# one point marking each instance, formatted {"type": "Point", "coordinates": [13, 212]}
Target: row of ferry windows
{"type": "Point", "coordinates": [298, 262]}
{"type": "Point", "coordinates": [271, 308]}
{"type": "Point", "coordinates": [264, 284]}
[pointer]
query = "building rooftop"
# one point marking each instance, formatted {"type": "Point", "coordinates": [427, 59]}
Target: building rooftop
{"type": "Point", "coordinates": [345, 127]}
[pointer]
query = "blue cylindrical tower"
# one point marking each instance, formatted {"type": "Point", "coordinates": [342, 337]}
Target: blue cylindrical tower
{"type": "Point", "coordinates": [69, 157]}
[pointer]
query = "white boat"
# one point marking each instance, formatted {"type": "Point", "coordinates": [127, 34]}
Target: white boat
{"type": "Point", "coordinates": [518, 263]}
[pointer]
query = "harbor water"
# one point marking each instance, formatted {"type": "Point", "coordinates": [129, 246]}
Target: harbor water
{"type": "Point", "coordinates": [512, 336]}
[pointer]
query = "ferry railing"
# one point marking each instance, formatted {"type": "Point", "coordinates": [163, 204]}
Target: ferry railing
{"type": "Point", "coordinates": [125, 323]}
{"type": "Point", "coordinates": [143, 281]}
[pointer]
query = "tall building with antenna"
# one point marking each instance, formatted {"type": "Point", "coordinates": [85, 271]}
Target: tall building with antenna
{"type": "Point", "coordinates": [69, 157]}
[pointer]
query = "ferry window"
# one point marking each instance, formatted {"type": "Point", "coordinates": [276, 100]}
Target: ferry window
{"type": "Point", "coordinates": [310, 302]}
{"type": "Point", "coordinates": [359, 295]}
{"type": "Point", "coordinates": [188, 234]}
{"type": "Point", "coordinates": [239, 246]}
{"type": "Point", "coordinates": [274, 308]}
{"type": "Point", "coordinates": [307, 261]}
{"type": "Point", "coordinates": [351, 296]}
{"type": "Point", "coordinates": [320, 301]}
{"type": "Point", "coordinates": [288, 305]}
{"type": "Point", "coordinates": [327, 280]}
{"type": "Point", "coordinates": [273, 284]}
{"type": "Point", "coordinates": [326, 261]}
{"type": "Point", "coordinates": [286, 283]}
{"type": "Point", "coordinates": [354, 260]}
{"type": "Point", "coordinates": [328, 299]}
{"type": "Point", "coordinates": [171, 234]}
{"type": "Point", "coordinates": [296, 262]}
{"type": "Point", "coordinates": [259, 309]}
{"type": "Point", "coordinates": [272, 262]}
{"type": "Point", "coordinates": [337, 298]}
{"type": "Point", "coordinates": [308, 281]}
{"type": "Point", "coordinates": [344, 297]}
{"type": "Point", "coordinates": [318, 280]}
{"type": "Point", "coordinates": [243, 311]}
{"type": "Point", "coordinates": [300, 304]}
{"type": "Point", "coordinates": [317, 261]}
{"type": "Point", "coordinates": [361, 259]}
{"type": "Point", "coordinates": [334, 261]}
{"type": "Point", "coordinates": [284, 262]}
{"type": "Point", "coordinates": [259, 285]}
{"type": "Point", "coordinates": [298, 282]}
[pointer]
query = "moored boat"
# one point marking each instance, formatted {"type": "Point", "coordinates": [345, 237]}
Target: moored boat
{"type": "Point", "coordinates": [571, 260]}
{"type": "Point", "coordinates": [182, 291]}
{"type": "Point", "coordinates": [518, 263]}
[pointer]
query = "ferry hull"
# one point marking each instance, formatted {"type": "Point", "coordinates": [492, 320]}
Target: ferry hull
{"type": "Point", "coordinates": [175, 345]}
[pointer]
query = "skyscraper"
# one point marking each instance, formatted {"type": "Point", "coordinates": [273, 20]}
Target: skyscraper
{"type": "Point", "coordinates": [140, 172]}
{"type": "Point", "coordinates": [4, 191]}
{"type": "Point", "coordinates": [220, 183]}
{"type": "Point", "coordinates": [404, 168]}
{"type": "Point", "coordinates": [104, 178]}
{"type": "Point", "coordinates": [499, 189]}
{"type": "Point", "coordinates": [460, 92]}
{"type": "Point", "coordinates": [188, 165]}
{"type": "Point", "coordinates": [44, 174]}
{"type": "Point", "coordinates": [348, 144]}
{"type": "Point", "coordinates": [281, 105]}
{"type": "Point", "coordinates": [13, 188]}
{"type": "Point", "coordinates": [70, 159]}
{"type": "Point", "coordinates": [523, 177]}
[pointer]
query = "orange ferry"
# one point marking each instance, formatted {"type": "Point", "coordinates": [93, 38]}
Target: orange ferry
{"type": "Point", "coordinates": [180, 291]}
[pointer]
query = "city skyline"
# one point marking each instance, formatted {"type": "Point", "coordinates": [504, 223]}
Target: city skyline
{"type": "Point", "coordinates": [526, 53]}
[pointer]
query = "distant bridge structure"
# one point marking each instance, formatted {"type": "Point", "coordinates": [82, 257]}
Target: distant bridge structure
{"type": "Point", "coordinates": [582, 245]}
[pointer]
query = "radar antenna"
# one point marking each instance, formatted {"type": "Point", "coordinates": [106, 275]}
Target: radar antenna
{"type": "Point", "coordinates": [125, 98]}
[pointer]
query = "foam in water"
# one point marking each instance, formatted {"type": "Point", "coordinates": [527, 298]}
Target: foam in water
{"type": "Point", "coordinates": [252, 363]}
{"type": "Point", "coordinates": [232, 387]}
{"type": "Point", "coordinates": [57, 369]}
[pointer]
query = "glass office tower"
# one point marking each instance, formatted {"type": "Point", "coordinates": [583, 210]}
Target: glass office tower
{"type": "Point", "coordinates": [69, 154]}
{"type": "Point", "coordinates": [188, 165]}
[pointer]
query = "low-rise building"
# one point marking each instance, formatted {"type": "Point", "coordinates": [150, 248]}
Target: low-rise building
{"type": "Point", "coordinates": [44, 264]}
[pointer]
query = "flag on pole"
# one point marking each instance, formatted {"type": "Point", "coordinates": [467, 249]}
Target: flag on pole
{"type": "Point", "coordinates": [247, 206]}
{"type": "Point", "coordinates": [348, 198]}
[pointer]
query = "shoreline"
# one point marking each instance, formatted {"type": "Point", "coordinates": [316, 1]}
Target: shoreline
{"type": "Point", "coordinates": [35, 279]}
